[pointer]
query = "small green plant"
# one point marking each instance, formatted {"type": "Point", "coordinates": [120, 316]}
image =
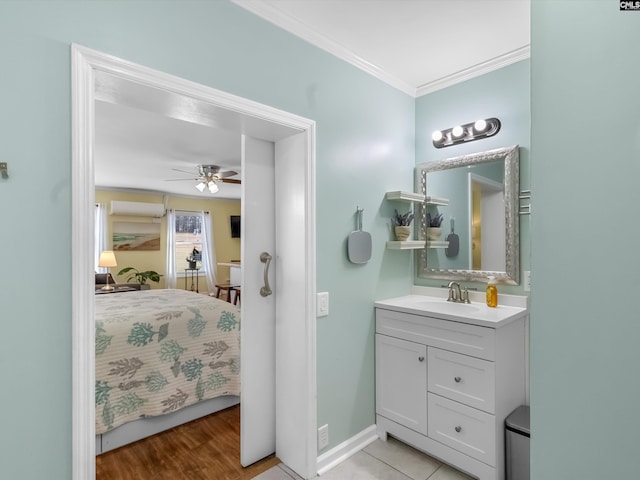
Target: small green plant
{"type": "Point", "coordinates": [434, 222]}
{"type": "Point", "coordinates": [402, 219]}
{"type": "Point", "coordinates": [140, 277]}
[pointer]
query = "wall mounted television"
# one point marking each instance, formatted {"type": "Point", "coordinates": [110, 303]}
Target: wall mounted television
{"type": "Point", "coordinates": [235, 226]}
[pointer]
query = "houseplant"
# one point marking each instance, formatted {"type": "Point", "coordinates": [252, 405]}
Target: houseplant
{"type": "Point", "coordinates": [140, 277]}
{"type": "Point", "coordinates": [402, 224]}
{"type": "Point", "coordinates": [434, 229]}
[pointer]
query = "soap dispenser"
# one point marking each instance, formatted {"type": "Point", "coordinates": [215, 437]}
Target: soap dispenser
{"type": "Point", "coordinates": [492, 292]}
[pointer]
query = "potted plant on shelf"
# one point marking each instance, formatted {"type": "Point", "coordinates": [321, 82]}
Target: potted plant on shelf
{"type": "Point", "coordinates": [402, 224]}
{"type": "Point", "coordinates": [192, 259]}
{"type": "Point", "coordinates": [434, 230]}
{"type": "Point", "coordinates": [140, 277]}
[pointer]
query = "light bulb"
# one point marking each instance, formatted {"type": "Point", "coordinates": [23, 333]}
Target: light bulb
{"type": "Point", "coordinates": [201, 186]}
{"type": "Point", "coordinates": [457, 131]}
{"type": "Point", "coordinates": [480, 125]}
{"type": "Point", "coordinates": [213, 188]}
{"type": "Point", "coordinates": [436, 136]}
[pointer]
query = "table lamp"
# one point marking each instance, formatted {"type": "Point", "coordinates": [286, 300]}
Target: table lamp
{"type": "Point", "coordinates": [107, 259]}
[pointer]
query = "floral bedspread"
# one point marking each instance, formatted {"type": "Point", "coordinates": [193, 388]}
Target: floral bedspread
{"type": "Point", "coordinates": [160, 350]}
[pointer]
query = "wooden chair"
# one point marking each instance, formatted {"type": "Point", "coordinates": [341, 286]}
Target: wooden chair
{"type": "Point", "coordinates": [224, 287]}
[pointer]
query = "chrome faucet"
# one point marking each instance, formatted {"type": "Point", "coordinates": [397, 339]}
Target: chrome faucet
{"type": "Point", "coordinates": [456, 294]}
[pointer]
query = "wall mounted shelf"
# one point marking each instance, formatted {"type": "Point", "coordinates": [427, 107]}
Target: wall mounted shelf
{"type": "Point", "coordinates": [414, 244]}
{"type": "Point", "coordinates": [415, 197]}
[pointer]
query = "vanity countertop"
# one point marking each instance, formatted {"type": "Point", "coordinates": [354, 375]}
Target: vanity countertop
{"type": "Point", "coordinates": [475, 313]}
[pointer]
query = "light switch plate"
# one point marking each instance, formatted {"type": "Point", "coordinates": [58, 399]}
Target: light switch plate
{"type": "Point", "coordinates": [527, 281]}
{"type": "Point", "coordinates": [322, 304]}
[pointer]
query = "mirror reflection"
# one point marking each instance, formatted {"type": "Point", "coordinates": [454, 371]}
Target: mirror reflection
{"type": "Point", "coordinates": [475, 196]}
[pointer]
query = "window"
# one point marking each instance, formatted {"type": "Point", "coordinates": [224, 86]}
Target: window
{"type": "Point", "coordinates": [188, 236]}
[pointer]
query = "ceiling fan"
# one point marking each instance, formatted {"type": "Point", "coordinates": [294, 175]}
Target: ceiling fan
{"type": "Point", "coordinates": [208, 176]}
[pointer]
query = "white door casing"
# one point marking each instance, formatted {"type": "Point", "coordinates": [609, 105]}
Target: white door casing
{"type": "Point", "coordinates": [295, 447]}
{"type": "Point", "coordinates": [255, 120]}
{"type": "Point", "coordinates": [257, 331]}
{"type": "Point", "coordinates": [494, 230]}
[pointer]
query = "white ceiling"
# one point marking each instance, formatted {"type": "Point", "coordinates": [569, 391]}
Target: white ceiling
{"type": "Point", "coordinates": [417, 46]}
{"type": "Point", "coordinates": [138, 149]}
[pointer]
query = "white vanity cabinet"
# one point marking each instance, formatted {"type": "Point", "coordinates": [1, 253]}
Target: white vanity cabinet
{"type": "Point", "coordinates": [402, 397]}
{"type": "Point", "coordinates": [446, 386]}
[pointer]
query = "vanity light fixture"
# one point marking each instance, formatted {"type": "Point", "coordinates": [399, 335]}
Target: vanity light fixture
{"type": "Point", "coordinates": [468, 132]}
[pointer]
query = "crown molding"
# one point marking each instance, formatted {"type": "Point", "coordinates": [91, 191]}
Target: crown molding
{"type": "Point", "coordinates": [475, 71]}
{"type": "Point", "coordinates": [294, 26]}
{"type": "Point", "coordinates": [300, 29]}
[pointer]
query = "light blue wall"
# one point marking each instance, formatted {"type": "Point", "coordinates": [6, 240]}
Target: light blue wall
{"type": "Point", "coordinates": [365, 146]}
{"type": "Point", "coordinates": [585, 157]}
{"type": "Point", "coordinates": [504, 94]}
{"type": "Point", "coordinates": [584, 74]}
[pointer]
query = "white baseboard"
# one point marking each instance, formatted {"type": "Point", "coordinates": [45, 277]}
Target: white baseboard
{"type": "Point", "coordinates": [340, 453]}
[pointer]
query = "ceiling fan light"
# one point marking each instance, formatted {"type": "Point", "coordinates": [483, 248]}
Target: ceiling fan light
{"type": "Point", "coordinates": [213, 188]}
{"type": "Point", "coordinates": [201, 186]}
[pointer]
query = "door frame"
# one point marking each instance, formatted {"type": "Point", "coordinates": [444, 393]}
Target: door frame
{"type": "Point", "coordinates": [495, 187]}
{"type": "Point", "coordinates": [85, 62]}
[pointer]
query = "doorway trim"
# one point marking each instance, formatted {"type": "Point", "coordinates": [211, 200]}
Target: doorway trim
{"type": "Point", "coordinates": [85, 62]}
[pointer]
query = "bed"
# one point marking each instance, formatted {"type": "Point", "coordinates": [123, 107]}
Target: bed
{"type": "Point", "coordinates": [163, 357]}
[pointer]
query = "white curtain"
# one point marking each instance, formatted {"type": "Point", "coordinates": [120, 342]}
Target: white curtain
{"type": "Point", "coordinates": [171, 276]}
{"type": "Point", "coordinates": [101, 235]}
{"type": "Point", "coordinates": [208, 252]}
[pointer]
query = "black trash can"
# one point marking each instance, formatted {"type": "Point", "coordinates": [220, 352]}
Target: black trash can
{"type": "Point", "coordinates": [518, 436]}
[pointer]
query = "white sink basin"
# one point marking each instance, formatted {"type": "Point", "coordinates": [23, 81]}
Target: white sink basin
{"type": "Point", "coordinates": [442, 306]}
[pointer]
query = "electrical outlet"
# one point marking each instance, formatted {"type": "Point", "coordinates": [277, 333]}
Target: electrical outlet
{"type": "Point", "coordinates": [527, 281]}
{"type": "Point", "coordinates": [322, 304]}
{"type": "Point", "coordinates": [323, 437]}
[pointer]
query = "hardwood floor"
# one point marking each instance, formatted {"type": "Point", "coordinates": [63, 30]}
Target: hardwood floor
{"type": "Point", "coordinates": [207, 448]}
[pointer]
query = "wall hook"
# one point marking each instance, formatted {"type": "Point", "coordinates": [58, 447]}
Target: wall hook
{"type": "Point", "coordinates": [359, 217]}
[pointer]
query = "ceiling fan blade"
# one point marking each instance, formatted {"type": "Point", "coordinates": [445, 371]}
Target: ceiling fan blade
{"type": "Point", "coordinates": [228, 173]}
{"type": "Point", "coordinates": [230, 180]}
{"type": "Point", "coordinates": [183, 171]}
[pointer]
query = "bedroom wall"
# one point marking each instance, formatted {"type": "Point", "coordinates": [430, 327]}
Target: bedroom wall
{"type": "Point", "coordinates": [585, 170]}
{"type": "Point", "coordinates": [504, 94]}
{"type": "Point", "coordinates": [365, 146]}
{"type": "Point", "coordinates": [226, 248]}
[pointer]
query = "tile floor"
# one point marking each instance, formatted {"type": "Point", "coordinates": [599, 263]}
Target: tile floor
{"type": "Point", "coordinates": [390, 460]}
